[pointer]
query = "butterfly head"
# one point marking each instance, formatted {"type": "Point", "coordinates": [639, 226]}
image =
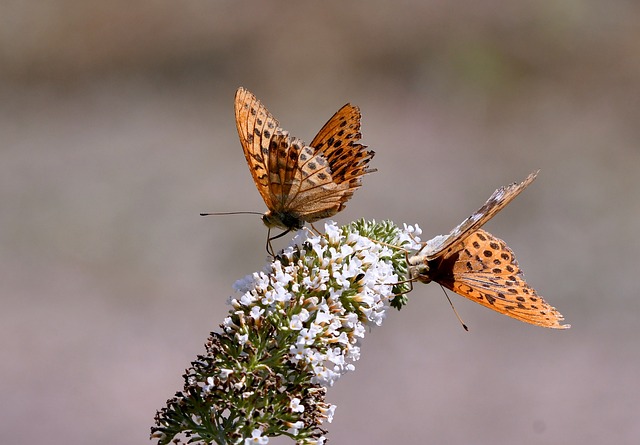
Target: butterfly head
{"type": "Point", "coordinates": [283, 220]}
{"type": "Point", "coordinates": [419, 269]}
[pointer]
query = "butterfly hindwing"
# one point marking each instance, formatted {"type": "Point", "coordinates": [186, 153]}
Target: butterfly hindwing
{"type": "Point", "coordinates": [301, 180]}
{"type": "Point", "coordinates": [338, 141]}
{"type": "Point", "coordinates": [486, 271]}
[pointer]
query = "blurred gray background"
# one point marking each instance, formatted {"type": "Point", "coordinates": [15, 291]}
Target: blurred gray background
{"type": "Point", "coordinates": [117, 129]}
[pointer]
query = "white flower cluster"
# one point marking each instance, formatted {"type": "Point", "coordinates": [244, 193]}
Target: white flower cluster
{"type": "Point", "coordinates": [323, 295]}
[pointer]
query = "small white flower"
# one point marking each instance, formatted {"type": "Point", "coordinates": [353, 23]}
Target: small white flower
{"type": "Point", "coordinates": [224, 374]}
{"type": "Point", "coordinates": [229, 325]}
{"type": "Point", "coordinates": [319, 250]}
{"type": "Point", "coordinates": [353, 353]}
{"type": "Point", "coordinates": [350, 320]}
{"type": "Point", "coordinates": [210, 385]}
{"type": "Point", "coordinates": [295, 427]}
{"type": "Point", "coordinates": [247, 299]}
{"type": "Point", "coordinates": [325, 376]}
{"type": "Point", "coordinates": [342, 281]}
{"type": "Point", "coordinates": [365, 299]}
{"type": "Point", "coordinates": [280, 276]}
{"type": "Point", "coordinates": [307, 336]}
{"type": "Point", "coordinates": [343, 338]}
{"type": "Point", "coordinates": [332, 232]}
{"type": "Point", "coordinates": [297, 353]}
{"type": "Point", "coordinates": [313, 357]}
{"type": "Point", "coordinates": [299, 238]}
{"type": "Point", "coordinates": [242, 338]}
{"type": "Point", "coordinates": [269, 298]}
{"type": "Point", "coordinates": [296, 406]}
{"type": "Point", "coordinates": [369, 257]}
{"type": "Point", "coordinates": [281, 293]}
{"type": "Point", "coordinates": [256, 312]}
{"type": "Point", "coordinates": [411, 236]}
{"type": "Point", "coordinates": [335, 356]}
{"type": "Point", "coordinates": [303, 315]}
{"type": "Point", "coordinates": [256, 438]}
{"type": "Point", "coordinates": [295, 324]}
{"type": "Point", "coordinates": [323, 315]}
{"type": "Point", "coordinates": [328, 412]}
{"type": "Point", "coordinates": [346, 250]}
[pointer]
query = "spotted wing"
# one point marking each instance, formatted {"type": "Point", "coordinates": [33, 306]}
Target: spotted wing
{"type": "Point", "coordinates": [485, 270]}
{"type": "Point", "coordinates": [496, 202]}
{"type": "Point", "coordinates": [338, 142]}
{"type": "Point", "coordinates": [256, 128]}
{"type": "Point", "coordinates": [300, 180]}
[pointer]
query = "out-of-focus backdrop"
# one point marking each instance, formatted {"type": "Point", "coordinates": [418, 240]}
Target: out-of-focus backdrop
{"type": "Point", "coordinates": [117, 129]}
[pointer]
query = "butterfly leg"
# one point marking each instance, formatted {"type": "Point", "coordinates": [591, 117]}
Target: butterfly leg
{"type": "Point", "coordinates": [315, 231]}
{"type": "Point", "coordinates": [270, 238]}
{"type": "Point", "coordinates": [411, 279]}
{"type": "Point", "coordinates": [269, 247]}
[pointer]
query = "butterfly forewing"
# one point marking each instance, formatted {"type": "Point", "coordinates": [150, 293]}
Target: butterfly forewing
{"type": "Point", "coordinates": [496, 202]}
{"type": "Point", "coordinates": [256, 128]}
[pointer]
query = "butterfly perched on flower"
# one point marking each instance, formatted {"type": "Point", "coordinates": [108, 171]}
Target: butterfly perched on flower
{"type": "Point", "coordinates": [477, 265]}
{"type": "Point", "coordinates": [301, 183]}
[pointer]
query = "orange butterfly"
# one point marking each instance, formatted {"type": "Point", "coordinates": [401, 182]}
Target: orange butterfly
{"type": "Point", "coordinates": [301, 183]}
{"type": "Point", "coordinates": [475, 264]}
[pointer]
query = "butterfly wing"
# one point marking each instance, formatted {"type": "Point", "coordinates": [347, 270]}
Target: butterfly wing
{"type": "Point", "coordinates": [256, 128]}
{"type": "Point", "coordinates": [327, 172]}
{"type": "Point", "coordinates": [496, 202]}
{"type": "Point", "coordinates": [485, 270]}
{"type": "Point", "coordinates": [338, 142]}
{"type": "Point", "coordinates": [301, 184]}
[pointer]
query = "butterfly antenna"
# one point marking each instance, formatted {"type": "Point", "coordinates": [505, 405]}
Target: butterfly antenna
{"type": "Point", "coordinates": [230, 213]}
{"type": "Point", "coordinates": [454, 310]}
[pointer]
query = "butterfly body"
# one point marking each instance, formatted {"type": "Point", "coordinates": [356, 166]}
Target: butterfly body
{"type": "Point", "coordinates": [481, 267]}
{"type": "Point", "coordinates": [301, 183]}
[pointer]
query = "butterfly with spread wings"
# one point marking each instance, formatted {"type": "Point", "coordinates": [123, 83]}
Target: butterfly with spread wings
{"type": "Point", "coordinates": [301, 183]}
{"type": "Point", "coordinates": [477, 265]}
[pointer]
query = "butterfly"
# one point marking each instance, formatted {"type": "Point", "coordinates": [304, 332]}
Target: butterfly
{"type": "Point", "coordinates": [475, 264]}
{"type": "Point", "coordinates": [301, 183]}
